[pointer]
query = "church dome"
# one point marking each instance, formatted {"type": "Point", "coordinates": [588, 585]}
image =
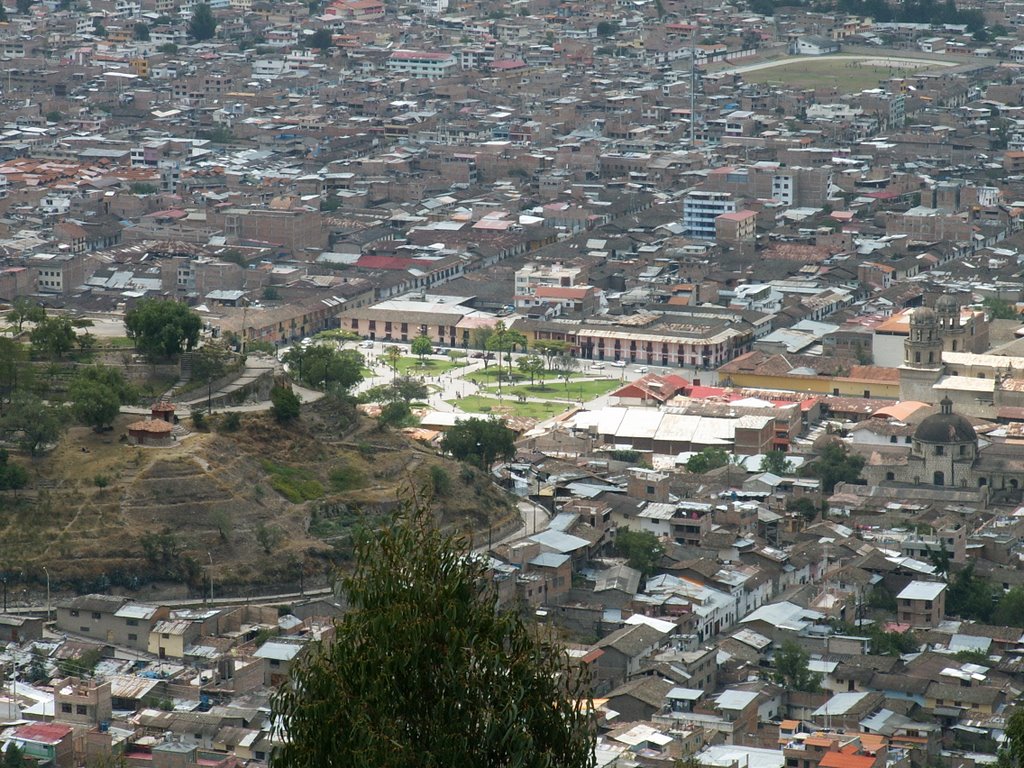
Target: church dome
{"type": "Point", "coordinates": [946, 304]}
{"type": "Point", "coordinates": [945, 427]}
{"type": "Point", "coordinates": [922, 316]}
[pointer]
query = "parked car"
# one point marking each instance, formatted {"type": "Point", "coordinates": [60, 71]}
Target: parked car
{"type": "Point", "coordinates": [597, 366]}
{"type": "Point", "coordinates": [619, 363]}
{"type": "Point", "coordinates": [642, 369]}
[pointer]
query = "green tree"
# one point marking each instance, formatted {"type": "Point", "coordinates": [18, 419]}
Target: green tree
{"type": "Point", "coordinates": [564, 367]}
{"type": "Point", "coordinates": [549, 349]}
{"type": "Point", "coordinates": [141, 32]}
{"type": "Point", "coordinates": [285, 404]}
{"type": "Point", "coordinates": [209, 363]}
{"type": "Point", "coordinates": [322, 39]}
{"type": "Point", "coordinates": [392, 356]}
{"type": "Point", "coordinates": [642, 550]}
{"type": "Point", "coordinates": [268, 537]}
{"type": "Point", "coordinates": [1009, 611]}
{"type": "Point", "coordinates": [421, 347]}
{"type": "Point", "coordinates": [891, 643]}
{"type": "Point", "coordinates": [707, 460]}
{"type": "Point", "coordinates": [998, 309]}
{"type": "Point", "coordinates": [202, 25]}
{"type": "Point", "coordinates": [13, 756]}
{"type": "Point", "coordinates": [881, 598]}
{"type": "Point", "coordinates": [776, 463]}
{"type": "Point", "coordinates": [97, 27]}
{"type": "Point", "coordinates": [835, 465]}
{"type": "Point", "coordinates": [93, 404]}
{"type": "Point", "coordinates": [804, 506]}
{"type": "Point", "coordinates": [403, 388]}
{"type": "Point", "coordinates": [531, 365]}
{"type": "Point", "coordinates": [1013, 752]}
{"type": "Point", "coordinates": [479, 338]}
{"type": "Point", "coordinates": [13, 477]}
{"type": "Point", "coordinates": [23, 6]}
{"type": "Point", "coordinates": [97, 393]}
{"type": "Point", "coordinates": [440, 482]}
{"type": "Point", "coordinates": [33, 424]}
{"type": "Point", "coordinates": [53, 337]}
{"type": "Point", "coordinates": [480, 442]}
{"type": "Point", "coordinates": [14, 372]}
{"type": "Point", "coordinates": [24, 310]}
{"type": "Point", "coordinates": [396, 413]}
{"type": "Point", "coordinates": [505, 340]}
{"type": "Point", "coordinates": [162, 328]}
{"type": "Point", "coordinates": [607, 28]}
{"type": "Point", "coordinates": [170, 48]}
{"type": "Point", "coordinates": [320, 365]}
{"type": "Point", "coordinates": [791, 668]}
{"type": "Point", "coordinates": [426, 669]}
{"type": "Point", "coordinates": [970, 596]}
{"type": "Point", "coordinates": [270, 293]}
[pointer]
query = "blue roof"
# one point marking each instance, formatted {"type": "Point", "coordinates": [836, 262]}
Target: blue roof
{"type": "Point", "coordinates": [549, 560]}
{"type": "Point", "coordinates": [558, 541]}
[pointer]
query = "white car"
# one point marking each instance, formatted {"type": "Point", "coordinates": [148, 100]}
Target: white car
{"type": "Point", "coordinates": [366, 344]}
{"type": "Point", "coordinates": [642, 369]}
{"type": "Point", "coordinates": [619, 363]}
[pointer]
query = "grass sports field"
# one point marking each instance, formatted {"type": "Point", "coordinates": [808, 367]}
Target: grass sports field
{"type": "Point", "coordinates": [846, 74]}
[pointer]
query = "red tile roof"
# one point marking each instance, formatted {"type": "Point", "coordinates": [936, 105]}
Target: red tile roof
{"type": "Point", "coordinates": [45, 733]}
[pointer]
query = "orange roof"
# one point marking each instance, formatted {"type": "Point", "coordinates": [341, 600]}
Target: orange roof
{"type": "Point", "coordinates": [841, 760]}
{"type": "Point", "coordinates": [900, 411]}
{"type": "Point", "coordinates": [789, 724]}
{"type": "Point", "coordinates": [154, 426]}
{"type": "Point", "coordinates": [819, 741]}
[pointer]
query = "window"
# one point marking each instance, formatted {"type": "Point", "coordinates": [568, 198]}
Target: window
{"type": "Point", "coordinates": [132, 637]}
{"type": "Point", "coordinates": [165, 636]}
{"type": "Point", "coordinates": [74, 613]}
{"type": "Point", "coordinates": [963, 450]}
{"type": "Point", "coordinates": [83, 629]}
{"type": "Point", "coordinates": [275, 663]}
{"type": "Point", "coordinates": [81, 709]}
{"type": "Point", "coordinates": [892, 438]}
{"type": "Point", "coordinates": [97, 615]}
{"type": "Point", "coordinates": [939, 450]}
{"type": "Point", "coordinates": [65, 708]}
{"type": "Point", "coordinates": [132, 622]}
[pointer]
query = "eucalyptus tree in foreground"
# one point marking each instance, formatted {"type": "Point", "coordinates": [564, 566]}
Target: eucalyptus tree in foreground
{"type": "Point", "coordinates": [427, 670]}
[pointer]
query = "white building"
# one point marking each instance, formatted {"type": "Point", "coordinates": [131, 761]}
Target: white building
{"type": "Point", "coordinates": [701, 208]}
{"type": "Point", "coordinates": [533, 276]}
{"type": "Point", "coordinates": [422, 64]}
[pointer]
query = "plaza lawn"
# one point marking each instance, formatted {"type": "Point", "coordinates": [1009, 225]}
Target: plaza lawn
{"type": "Point", "coordinates": [844, 74]}
{"type": "Point", "coordinates": [410, 366]}
{"type": "Point", "coordinates": [488, 375]}
{"type": "Point", "coordinates": [555, 390]}
{"type": "Point", "coordinates": [119, 342]}
{"type": "Point", "coordinates": [508, 406]}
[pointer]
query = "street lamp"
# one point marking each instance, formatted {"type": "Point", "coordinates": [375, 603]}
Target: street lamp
{"type": "Point", "coordinates": [47, 593]}
{"type": "Point", "coordinates": [210, 555]}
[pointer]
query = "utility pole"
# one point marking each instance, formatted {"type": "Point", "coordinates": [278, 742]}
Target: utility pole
{"type": "Point", "coordinates": [693, 87]}
{"type": "Point", "coordinates": [47, 593]}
